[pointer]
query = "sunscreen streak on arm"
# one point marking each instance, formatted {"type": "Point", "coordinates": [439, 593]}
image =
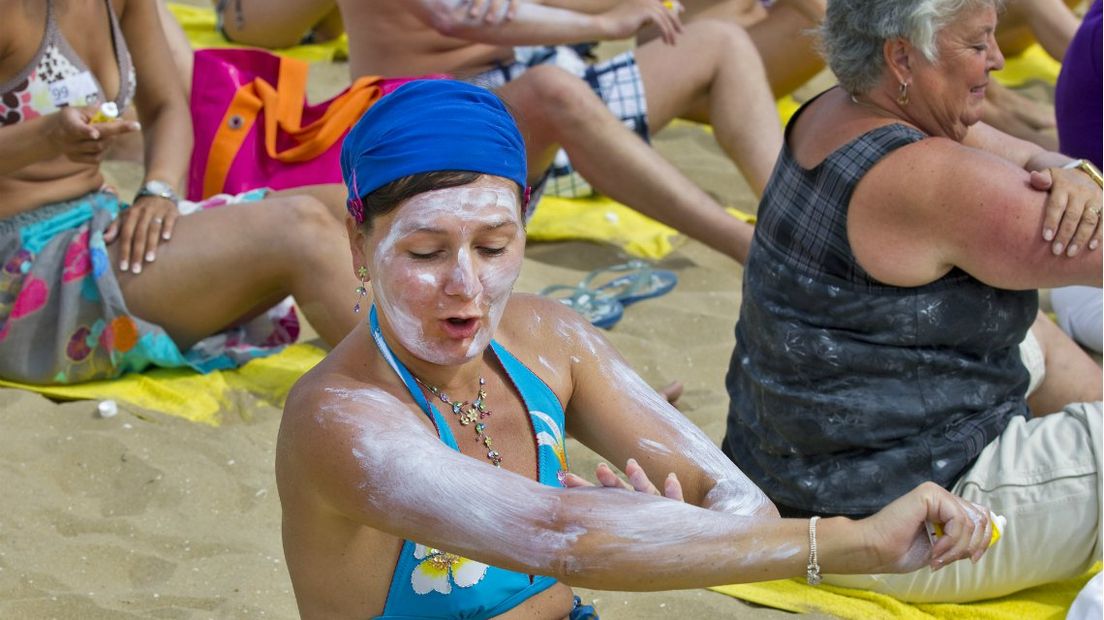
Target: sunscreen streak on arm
{"type": "Point", "coordinates": [415, 487]}
{"type": "Point", "coordinates": [732, 491]}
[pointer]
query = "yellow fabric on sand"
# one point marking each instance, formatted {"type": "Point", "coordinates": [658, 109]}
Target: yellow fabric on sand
{"type": "Point", "coordinates": [1050, 601]}
{"type": "Point", "coordinates": [604, 220]}
{"type": "Point", "coordinates": [1034, 64]}
{"type": "Point", "coordinates": [199, 26]}
{"type": "Point", "coordinates": [187, 394]}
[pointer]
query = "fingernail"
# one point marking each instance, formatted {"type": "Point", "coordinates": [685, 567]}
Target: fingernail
{"type": "Point", "coordinates": [1072, 249]}
{"type": "Point", "coordinates": [1093, 244]}
{"type": "Point", "coordinates": [1057, 249]}
{"type": "Point", "coordinates": [123, 265]}
{"type": "Point", "coordinates": [149, 257]}
{"type": "Point", "coordinates": [166, 235]}
{"type": "Point", "coordinates": [1048, 234]}
{"type": "Point", "coordinates": [137, 268]}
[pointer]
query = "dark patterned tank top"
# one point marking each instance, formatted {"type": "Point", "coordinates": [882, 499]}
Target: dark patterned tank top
{"type": "Point", "coordinates": [847, 392]}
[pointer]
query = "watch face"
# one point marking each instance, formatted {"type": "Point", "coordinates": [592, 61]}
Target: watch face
{"type": "Point", "coordinates": [159, 188]}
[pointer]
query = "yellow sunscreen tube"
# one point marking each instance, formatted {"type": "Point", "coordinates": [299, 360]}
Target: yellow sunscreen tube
{"type": "Point", "coordinates": [935, 530]}
{"type": "Point", "coordinates": [107, 112]}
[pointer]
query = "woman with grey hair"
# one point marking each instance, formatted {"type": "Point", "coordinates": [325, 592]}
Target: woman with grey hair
{"type": "Point", "coordinates": [890, 332]}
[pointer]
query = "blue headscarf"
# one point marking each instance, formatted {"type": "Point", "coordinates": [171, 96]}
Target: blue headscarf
{"type": "Point", "coordinates": [429, 126]}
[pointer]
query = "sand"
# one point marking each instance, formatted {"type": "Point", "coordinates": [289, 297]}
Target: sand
{"type": "Point", "coordinates": [147, 516]}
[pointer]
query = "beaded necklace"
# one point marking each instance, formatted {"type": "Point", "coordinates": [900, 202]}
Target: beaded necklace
{"type": "Point", "coordinates": [470, 413]}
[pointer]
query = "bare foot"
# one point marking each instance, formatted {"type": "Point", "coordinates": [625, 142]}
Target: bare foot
{"type": "Point", "coordinates": [672, 391]}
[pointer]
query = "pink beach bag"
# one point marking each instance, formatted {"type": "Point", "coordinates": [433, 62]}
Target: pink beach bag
{"type": "Point", "coordinates": [254, 128]}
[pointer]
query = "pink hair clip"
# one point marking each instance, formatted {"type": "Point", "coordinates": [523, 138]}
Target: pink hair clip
{"type": "Point", "coordinates": [354, 204]}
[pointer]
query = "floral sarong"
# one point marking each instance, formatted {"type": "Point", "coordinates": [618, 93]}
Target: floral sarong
{"type": "Point", "coordinates": [63, 318]}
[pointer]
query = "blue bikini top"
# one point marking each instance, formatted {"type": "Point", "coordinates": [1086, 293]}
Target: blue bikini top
{"type": "Point", "coordinates": [431, 583]}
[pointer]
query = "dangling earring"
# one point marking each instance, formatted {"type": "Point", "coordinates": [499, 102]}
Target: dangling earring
{"type": "Point", "coordinates": [902, 95]}
{"type": "Point", "coordinates": [362, 290]}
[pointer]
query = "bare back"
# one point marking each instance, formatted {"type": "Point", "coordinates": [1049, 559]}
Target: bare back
{"type": "Point", "coordinates": [387, 37]}
{"type": "Point", "coordinates": [86, 26]}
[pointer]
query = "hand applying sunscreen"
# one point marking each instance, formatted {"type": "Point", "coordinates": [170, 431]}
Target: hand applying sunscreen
{"type": "Point", "coordinates": [935, 530]}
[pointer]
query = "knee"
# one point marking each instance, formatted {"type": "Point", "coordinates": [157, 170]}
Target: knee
{"type": "Point", "coordinates": [309, 226]}
{"type": "Point", "coordinates": [556, 94]}
{"type": "Point", "coordinates": [722, 39]}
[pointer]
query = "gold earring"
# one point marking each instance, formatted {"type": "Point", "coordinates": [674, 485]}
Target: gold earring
{"type": "Point", "coordinates": [902, 95]}
{"type": "Point", "coordinates": [362, 290]}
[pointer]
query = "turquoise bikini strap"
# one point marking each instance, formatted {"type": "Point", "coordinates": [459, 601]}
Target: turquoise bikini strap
{"type": "Point", "coordinates": [443, 430]}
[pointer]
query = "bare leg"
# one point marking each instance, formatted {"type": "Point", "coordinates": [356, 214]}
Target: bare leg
{"type": "Point", "coordinates": [1071, 375]}
{"type": "Point", "coordinates": [332, 195]}
{"type": "Point", "coordinates": [787, 43]}
{"type": "Point", "coordinates": [275, 23]}
{"type": "Point", "coordinates": [555, 108]}
{"type": "Point", "coordinates": [783, 35]}
{"type": "Point", "coordinates": [714, 75]}
{"type": "Point", "coordinates": [1051, 23]}
{"type": "Point", "coordinates": [223, 262]}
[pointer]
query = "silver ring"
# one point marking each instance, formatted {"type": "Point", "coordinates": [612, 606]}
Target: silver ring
{"type": "Point", "coordinates": [157, 221]}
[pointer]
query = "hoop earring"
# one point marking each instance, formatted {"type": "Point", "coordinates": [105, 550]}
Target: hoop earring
{"type": "Point", "coordinates": [362, 290]}
{"type": "Point", "coordinates": [902, 94]}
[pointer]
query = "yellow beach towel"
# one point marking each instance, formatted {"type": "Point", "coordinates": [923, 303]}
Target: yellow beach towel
{"type": "Point", "coordinates": [603, 220]}
{"type": "Point", "coordinates": [199, 26]}
{"type": "Point", "coordinates": [1050, 601]}
{"type": "Point", "coordinates": [196, 397]}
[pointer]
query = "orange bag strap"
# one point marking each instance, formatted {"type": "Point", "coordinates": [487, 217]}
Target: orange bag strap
{"type": "Point", "coordinates": [287, 100]}
{"type": "Point", "coordinates": [240, 117]}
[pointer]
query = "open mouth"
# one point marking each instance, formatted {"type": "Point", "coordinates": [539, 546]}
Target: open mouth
{"type": "Point", "coordinates": [457, 327]}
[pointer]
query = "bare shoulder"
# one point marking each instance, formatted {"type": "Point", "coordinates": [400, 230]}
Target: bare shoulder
{"type": "Point", "coordinates": [533, 320]}
{"type": "Point", "coordinates": [931, 205]}
{"type": "Point", "coordinates": [331, 403]}
{"type": "Point", "coordinates": [546, 336]}
{"type": "Point", "coordinates": [934, 165]}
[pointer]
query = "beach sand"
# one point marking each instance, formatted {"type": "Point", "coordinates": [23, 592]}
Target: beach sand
{"type": "Point", "coordinates": [143, 515]}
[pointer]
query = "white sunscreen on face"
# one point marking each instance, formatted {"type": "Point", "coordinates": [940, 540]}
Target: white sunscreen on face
{"type": "Point", "coordinates": [459, 278]}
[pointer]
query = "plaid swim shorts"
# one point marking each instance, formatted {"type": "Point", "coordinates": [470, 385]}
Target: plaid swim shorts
{"type": "Point", "coordinates": [616, 81]}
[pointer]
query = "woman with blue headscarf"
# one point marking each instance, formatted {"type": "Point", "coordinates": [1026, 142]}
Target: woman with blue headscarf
{"type": "Point", "coordinates": [422, 467]}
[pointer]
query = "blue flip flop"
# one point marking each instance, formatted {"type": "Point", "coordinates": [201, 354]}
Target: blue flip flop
{"type": "Point", "coordinates": [600, 310]}
{"type": "Point", "coordinates": [638, 281]}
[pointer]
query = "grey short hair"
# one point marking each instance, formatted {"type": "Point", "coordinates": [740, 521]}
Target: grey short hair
{"type": "Point", "coordinates": [854, 32]}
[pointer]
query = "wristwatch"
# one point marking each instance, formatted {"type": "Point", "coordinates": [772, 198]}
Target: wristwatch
{"type": "Point", "coordinates": [1088, 168]}
{"type": "Point", "coordinates": [160, 189]}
